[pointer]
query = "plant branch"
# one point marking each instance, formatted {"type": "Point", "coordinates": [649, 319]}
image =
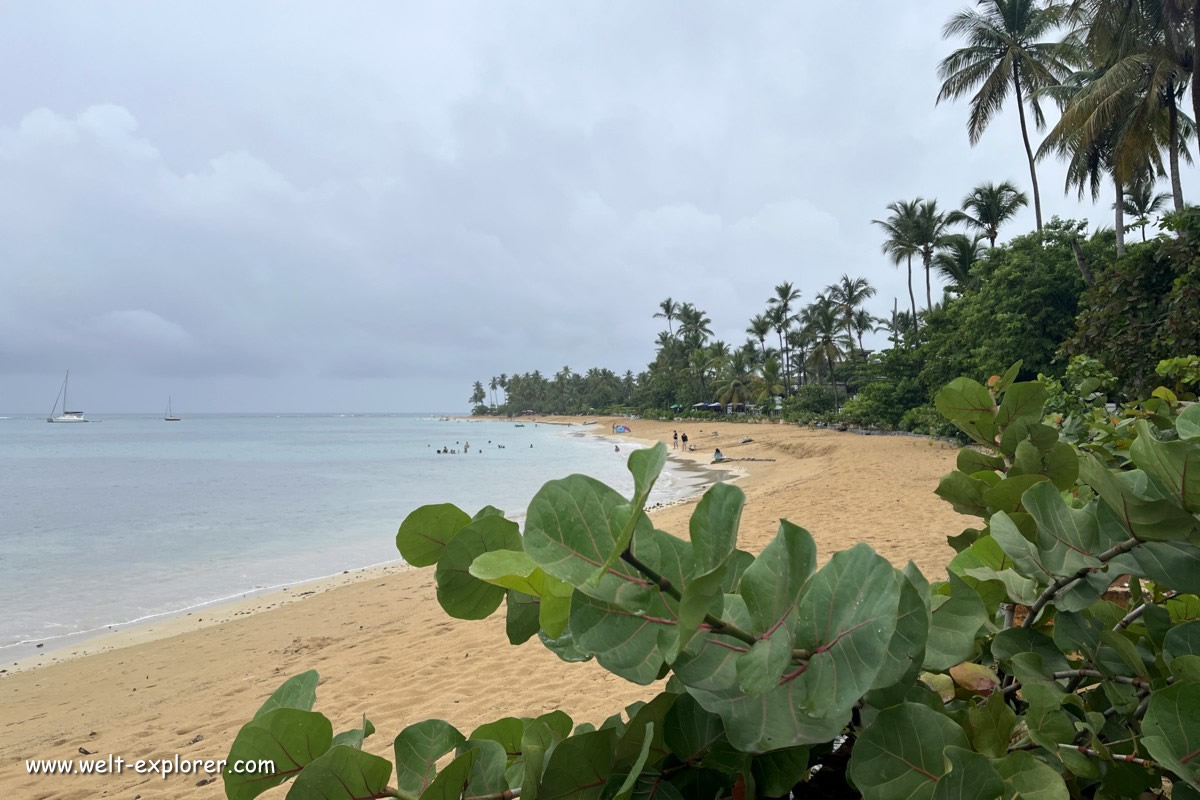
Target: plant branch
{"type": "Point", "coordinates": [1053, 589]}
{"type": "Point", "coordinates": [1085, 673]}
{"type": "Point", "coordinates": [715, 624]}
{"type": "Point", "coordinates": [1141, 762]}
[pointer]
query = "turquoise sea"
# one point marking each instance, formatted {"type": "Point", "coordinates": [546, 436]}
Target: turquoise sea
{"type": "Point", "coordinates": [131, 517]}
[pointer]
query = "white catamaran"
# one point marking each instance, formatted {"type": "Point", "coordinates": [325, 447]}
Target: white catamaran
{"type": "Point", "coordinates": [170, 417]}
{"type": "Point", "coordinates": [65, 416]}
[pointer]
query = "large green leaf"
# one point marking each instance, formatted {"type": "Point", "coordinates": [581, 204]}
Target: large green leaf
{"type": "Point", "coordinates": [424, 533]}
{"type": "Point", "coordinates": [555, 609]}
{"type": "Point", "coordinates": [1141, 507]}
{"type": "Point", "coordinates": [954, 622]}
{"type": "Point", "coordinates": [451, 782]}
{"type": "Point", "coordinates": [1171, 730]}
{"type": "Point", "coordinates": [417, 750]}
{"type": "Point", "coordinates": [694, 735]}
{"type": "Point", "coordinates": [901, 754]}
{"type": "Point", "coordinates": [971, 461]}
{"type": "Point", "coordinates": [846, 620]}
{"type": "Point", "coordinates": [1024, 554]}
{"type": "Point", "coordinates": [355, 736]}
{"type": "Point", "coordinates": [521, 616]}
{"type": "Point", "coordinates": [1021, 401]}
{"type": "Point", "coordinates": [579, 767]}
{"type": "Point", "coordinates": [777, 772]}
{"type": "Point", "coordinates": [1047, 723]}
{"type": "Point", "coordinates": [290, 738]}
{"type": "Point", "coordinates": [771, 588]}
{"type": "Point", "coordinates": [343, 773]}
{"type": "Point", "coordinates": [963, 492]}
{"type": "Point", "coordinates": [992, 724]}
{"type": "Point", "coordinates": [460, 593]}
{"type": "Point", "coordinates": [625, 643]}
{"type": "Point", "coordinates": [487, 771]}
{"type": "Point", "coordinates": [969, 405]}
{"type": "Point", "coordinates": [1068, 538]}
{"type": "Point", "coordinates": [572, 526]}
{"type": "Point", "coordinates": [645, 466]}
{"type": "Point", "coordinates": [512, 569]}
{"type": "Point", "coordinates": [755, 724]}
{"type": "Point", "coordinates": [1182, 640]}
{"type": "Point", "coordinates": [1006, 494]}
{"type": "Point", "coordinates": [912, 629]}
{"type": "Point", "coordinates": [1174, 565]}
{"type": "Point", "coordinates": [1010, 642]}
{"type": "Point", "coordinates": [1187, 424]}
{"type": "Point", "coordinates": [298, 691]}
{"type": "Point", "coordinates": [971, 777]}
{"type": "Point", "coordinates": [1026, 778]}
{"type": "Point", "coordinates": [713, 532]}
{"type": "Point", "coordinates": [1176, 464]}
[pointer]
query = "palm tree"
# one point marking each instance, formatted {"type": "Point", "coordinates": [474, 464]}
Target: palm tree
{"type": "Point", "coordinates": [955, 259]}
{"type": "Point", "coordinates": [1004, 53]}
{"type": "Point", "coordinates": [780, 312]}
{"type": "Point", "coordinates": [668, 310]}
{"type": "Point", "coordinates": [848, 294]}
{"type": "Point", "coordinates": [768, 382]}
{"type": "Point", "coordinates": [823, 319]}
{"type": "Point", "coordinates": [760, 328]}
{"type": "Point", "coordinates": [493, 385]}
{"type": "Point", "coordinates": [900, 243]}
{"type": "Point", "coordinates": [734, 388]}
{"type": "Point", "coordinates": [1141, 201]}
{"type": "Point", "coordinates": [1140, 56]}
{"type": "Point", "coordinates": [694, 324]}
{"type": "Point", "coordinates": [989, 206]}
{"type": "Point", "coordinates": [862, 322]}
{"type": "Point", "coordinates": [930, 227]}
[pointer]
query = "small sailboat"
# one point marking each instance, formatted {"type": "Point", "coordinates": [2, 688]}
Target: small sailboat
{"type": "Point", "coordinates": [170, 417]}
{"type": "Point", "coordinates": [65, 416]}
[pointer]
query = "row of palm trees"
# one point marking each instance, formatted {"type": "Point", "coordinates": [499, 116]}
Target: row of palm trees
{"type": "Point", "coordinates": [1118, 70]}
{"type": "Point", "coordinates": [811, 339]}
{"type": "Point", "coordinates": [919, 229]}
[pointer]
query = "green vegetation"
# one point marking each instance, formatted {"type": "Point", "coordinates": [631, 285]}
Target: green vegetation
{"type": "Point", "coordinates": [1030, 672]}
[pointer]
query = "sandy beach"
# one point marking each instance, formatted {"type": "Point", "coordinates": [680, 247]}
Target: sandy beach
{"type": "Point", "coordinates": [385, 648]}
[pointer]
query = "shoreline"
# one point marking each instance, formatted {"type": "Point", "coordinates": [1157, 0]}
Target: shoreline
{"type": "Point", "coordinates": [32, 654]}
{"type": "Point", "coordinates": [384, 647]}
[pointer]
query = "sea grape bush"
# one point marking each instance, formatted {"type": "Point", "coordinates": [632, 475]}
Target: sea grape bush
{"type": "Point", "coordinates": [1030, 671]}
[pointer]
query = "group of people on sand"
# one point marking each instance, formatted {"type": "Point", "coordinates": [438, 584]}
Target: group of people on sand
{"type": "Point", "coordinates": [676, 438]}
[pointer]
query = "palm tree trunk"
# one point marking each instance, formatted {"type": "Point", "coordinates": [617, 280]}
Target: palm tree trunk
{"type": "Point", "coordinates": [862, 351]}
{"type": "Point", "coordinates": [911, 297]}
{"type": "Point", "coordinates": [787, 368]}
{"type": "Point", "coordinates": [1173, 149]}
{"type": "Point", "coordinates": [927, 257]}
{"type": "Point", "coordinates": [1196, 62]}
{"type": "Point", "coordinates": [1120, 216]}
{"type": "Point", "coordinates": [1037, 195]}
{"type": "Point", "coordinates": [832, 383]}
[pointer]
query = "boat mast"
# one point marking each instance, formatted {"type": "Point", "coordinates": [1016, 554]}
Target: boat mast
{"type": "Point", "coordinates": [66, 380]}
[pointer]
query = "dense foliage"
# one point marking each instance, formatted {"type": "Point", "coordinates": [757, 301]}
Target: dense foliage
{"type": "Point", "coordinates": [1024, 674]}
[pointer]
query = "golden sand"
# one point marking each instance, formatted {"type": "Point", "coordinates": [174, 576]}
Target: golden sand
{"type": "Point", "coordinates": [383, 646]}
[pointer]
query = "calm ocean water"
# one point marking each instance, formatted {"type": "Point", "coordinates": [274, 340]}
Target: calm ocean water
{"type": "Point", "coordinates": [130, 517]}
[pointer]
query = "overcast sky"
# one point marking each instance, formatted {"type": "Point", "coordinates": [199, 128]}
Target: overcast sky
{"type": "Point", "coordinates": [320, 206]}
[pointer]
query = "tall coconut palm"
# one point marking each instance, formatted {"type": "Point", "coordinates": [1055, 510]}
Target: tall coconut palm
{"type": "Point", "coordinates": [493, 385]}
{"type": "Point", "coordinates": [862, 322]}
{"type": "Point", "coordinates": [768, 382]}
{"type": "Point", "coordinates": [848, 294]}
{"type": "Point", "coordinates": [760, 328]}
{"type": "Point", "coordinates": [782, 315]}
{"type": "Point", "coordinates": [930, 228]}
{"type": "Point", "coordinates": [668, 310]}
{"type": "Point", "coordinates": [1005, 54]}
{"type": "Point", "coordinates": [987, 207]}
{"type": "Point", "coordinates": [901, 244]}
{"type": "Point", "coordinates": [824, 321]}
{"type": "Point", "coordinates": [954, 261]}
{"type": "Point", "coordinates": [694, 325]}
{"type": "Point", "coordinates": [1140, 56]}
{"type": "Point", "coordinates": [1141, 201]}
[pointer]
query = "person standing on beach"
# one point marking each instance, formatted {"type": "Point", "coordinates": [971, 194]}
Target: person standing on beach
{"type": "Point", "coordinates": [675, 440]}
{"type": "Point", "coordinates": [683, 439]}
